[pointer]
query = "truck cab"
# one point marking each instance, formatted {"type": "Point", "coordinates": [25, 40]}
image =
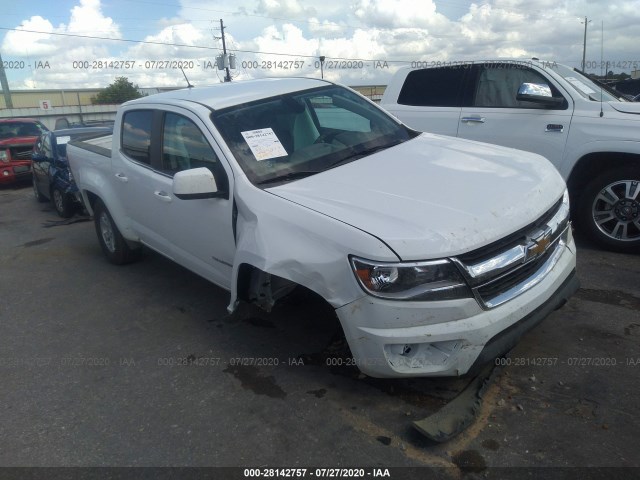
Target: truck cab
{"type": "Point", "coordinates": [17, 137]}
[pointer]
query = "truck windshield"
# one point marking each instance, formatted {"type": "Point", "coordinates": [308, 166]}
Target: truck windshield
{"type": "Point", "coordinates": [584, 85]}
{"type": "Point", "coordinates": [21, 129]}
{"type": "Point", "coordinates": [291, 136]}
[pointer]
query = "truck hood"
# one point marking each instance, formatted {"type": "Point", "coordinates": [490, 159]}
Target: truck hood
{"type": "Point", "coordinates": [626, 107]}
{"type": "Point", "coordinates": [18, 141]}
{"type": "Point", "coordinates": [434, 196]}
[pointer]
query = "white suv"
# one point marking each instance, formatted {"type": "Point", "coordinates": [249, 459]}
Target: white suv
{"type": "Point", "coordinates": [591, 136]}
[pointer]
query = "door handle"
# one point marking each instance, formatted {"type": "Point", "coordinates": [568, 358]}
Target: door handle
{"type": "Point", "coordinates": [164, 196]}
{"type": "Point", "coordinates": [473, 119]}
{"type": "Point", "coordinates": [122, 177]}
{"type": "Point", "coordinates": [553, 127]}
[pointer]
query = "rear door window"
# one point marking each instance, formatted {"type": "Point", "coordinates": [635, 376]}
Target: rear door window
{"type": "Point", "coordinates": [433, 87]}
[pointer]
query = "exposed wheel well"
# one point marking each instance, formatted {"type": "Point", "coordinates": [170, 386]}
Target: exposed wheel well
{"type": "Point", "coordinates": [593, 164]}
{"type": "Point", "coordinates": [92, 197]}
{"type": "Point", "coordinates": [264, 289]}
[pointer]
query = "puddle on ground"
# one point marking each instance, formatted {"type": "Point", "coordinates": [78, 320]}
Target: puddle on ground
{"type": "Point", "coordinates": [251, 378]}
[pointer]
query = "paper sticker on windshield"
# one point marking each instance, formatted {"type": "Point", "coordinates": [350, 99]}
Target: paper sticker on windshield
{"type": "Point", "coordinates": [63, 140]}
{"type": "Point", "coordinates": [583, 87]}
{"type": "Point", "coordinates": [264, 144]}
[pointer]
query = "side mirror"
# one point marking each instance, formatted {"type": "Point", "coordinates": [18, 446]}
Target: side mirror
{"type": "Point", "coordinates": [195, 184]}
{"type": "Point", "coordinates": [538, 93]}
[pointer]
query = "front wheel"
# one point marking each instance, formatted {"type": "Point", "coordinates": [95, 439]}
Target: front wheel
{"type": "Point", "coordinates": [36, 191]}
{"type": "Point", "coordinates": [62, 203]}
{"type": "Point", "coordinates": [609, 210]}
{"type": "Point", "coordinates": [111, 240]}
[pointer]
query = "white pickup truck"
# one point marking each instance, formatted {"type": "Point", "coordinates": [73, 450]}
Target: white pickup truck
{"type": "Point", "coordinates": [437, 254]}
{"type": "Point", "coordinates": [591, 136]}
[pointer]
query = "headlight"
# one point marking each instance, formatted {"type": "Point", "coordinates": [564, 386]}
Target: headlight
{"type": "Point", "coordinates": [4, 156]}
{"type": "Point", "coordinates": [561, 217]}
{"type": "Point", "coordinates": [432, 280]}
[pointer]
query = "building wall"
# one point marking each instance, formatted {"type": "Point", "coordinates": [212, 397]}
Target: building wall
{"type": "Point", "coordinates": [73, 114]}
{"type": "Point", "coordinates": [58, 98]}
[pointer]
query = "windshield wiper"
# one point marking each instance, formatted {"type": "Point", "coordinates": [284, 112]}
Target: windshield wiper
{"type": "Point", "coordinates": [288, 176]}
{"type": "Point", "coordinates": [363, 153]}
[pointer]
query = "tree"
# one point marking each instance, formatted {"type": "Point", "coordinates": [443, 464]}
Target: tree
{"type": "Point", "coordinates": [120, 91]}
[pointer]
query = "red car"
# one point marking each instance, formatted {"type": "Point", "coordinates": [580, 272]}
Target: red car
{"type": "Point", "coordinates": [17, 137]}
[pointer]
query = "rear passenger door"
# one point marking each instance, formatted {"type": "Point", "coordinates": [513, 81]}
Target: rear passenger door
{"type": "Point", "coordinates": [430, 99]}
{"type": "Point", "coordinates": [494, 115]}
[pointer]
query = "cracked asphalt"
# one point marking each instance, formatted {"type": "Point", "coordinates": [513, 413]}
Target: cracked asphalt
{"type": "Point", "coordinates": [137, 366]}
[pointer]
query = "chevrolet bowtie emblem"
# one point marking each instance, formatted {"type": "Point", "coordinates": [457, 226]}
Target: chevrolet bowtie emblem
{"type": "Point", "coordinates": [538, 245]}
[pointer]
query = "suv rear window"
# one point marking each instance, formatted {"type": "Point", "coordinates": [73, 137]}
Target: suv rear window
{"type": "Point", "coordinates": [433, 87]}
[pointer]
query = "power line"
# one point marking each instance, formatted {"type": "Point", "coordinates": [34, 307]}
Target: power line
{"type": "Point", "coordinates": [169, 44]}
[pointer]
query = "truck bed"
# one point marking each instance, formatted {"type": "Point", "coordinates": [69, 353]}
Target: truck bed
{"type": "Point", "coordinates": [100, 145]}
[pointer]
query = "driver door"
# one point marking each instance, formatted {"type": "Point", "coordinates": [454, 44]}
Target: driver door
{"type": "Point", "coordinates": [496, 116]}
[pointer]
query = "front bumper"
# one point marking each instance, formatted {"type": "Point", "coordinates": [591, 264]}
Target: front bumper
{"type": "Point", "coordinates": [14, 173]}
{"type": "Point", "coordinates": [453, 337]}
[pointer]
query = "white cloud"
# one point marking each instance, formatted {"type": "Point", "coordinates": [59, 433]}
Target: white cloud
{"type": "Point", "coordinates": [87, 19]}
{"type": "Point", "coordinates": [19, 43]}
{"type": "Point", "coordinates": [383, 30]}
{"type": "Point", "coordinates": [288, 9]}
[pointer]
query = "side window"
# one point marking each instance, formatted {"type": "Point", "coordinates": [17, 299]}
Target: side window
{"type": "Point", "coordinates": [338, 118]}
{"type": "Point", "coordinates": [498, 86]}
{"type": "Point", "coordinates": [37, 148]}
{"type": "Point", "coordinates": [185, 147]}
{"type": "Point", "coordinates": [432, 87]}
{"type": "Point", "coordinates": [136, 135]}
{"type": "Point", "coordinates": [46, 147]}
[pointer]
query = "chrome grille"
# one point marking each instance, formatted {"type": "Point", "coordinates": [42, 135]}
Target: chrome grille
{"type": "Point", "coordinates": [520, 261]}
{"type": "Point", "coordinates": [21, 153]}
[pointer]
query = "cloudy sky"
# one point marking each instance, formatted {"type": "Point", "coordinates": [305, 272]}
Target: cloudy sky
{"type": "Point", "coordinates": [48, 44]}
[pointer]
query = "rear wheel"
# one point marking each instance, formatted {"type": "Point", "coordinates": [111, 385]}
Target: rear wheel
{"type": "Point", "coordinates": [111, 240]}
{"type": "Point", "coordinates": [62, 203]}
{"type": "Point", "coordinates": [36, 192]}
{"type": "Point", "coordinates": [609, 209]}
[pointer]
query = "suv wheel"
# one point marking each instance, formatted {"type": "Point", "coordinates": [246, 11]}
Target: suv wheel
{"type": "Point", "coordinates": [609, 210]}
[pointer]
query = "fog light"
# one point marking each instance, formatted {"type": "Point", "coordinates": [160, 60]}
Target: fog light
{"type": "Point", "coordinates": [5, 173]}
{"type": "Point", "coordinates": [421, 355]}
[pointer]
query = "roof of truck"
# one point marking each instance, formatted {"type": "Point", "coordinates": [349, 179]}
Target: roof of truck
{"type": "Point", "coordinates": [233, 93]}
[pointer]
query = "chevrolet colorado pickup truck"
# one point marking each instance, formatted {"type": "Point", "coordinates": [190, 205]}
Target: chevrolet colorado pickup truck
{"type": "Point", "coordinates": [17, 137]}
{"type": "Point", "coordinates": [590, 135]}
{"type": "Point", "coordinates": [436, 253]}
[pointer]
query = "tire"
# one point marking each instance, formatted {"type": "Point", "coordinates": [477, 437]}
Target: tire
{"type": "Point", "coordinates": [36, 192]}
{"type": "Point", "coordinates": [609, 210]}
{"type": "Point", "coordinates": [111, 240]}
{"type": "Point", "coordinates": [62, 203]}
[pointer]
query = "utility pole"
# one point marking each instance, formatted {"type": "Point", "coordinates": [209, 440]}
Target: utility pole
{"type": "Point", "coordinates": [584, 46]}
{"type": "Point", "coordinates": [227, 77]}
{"type": "Point", "coordinates": [5, 86]}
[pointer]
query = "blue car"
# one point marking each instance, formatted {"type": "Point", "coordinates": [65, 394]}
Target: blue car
{"type": "Point", "coordinates": [52, 179]}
